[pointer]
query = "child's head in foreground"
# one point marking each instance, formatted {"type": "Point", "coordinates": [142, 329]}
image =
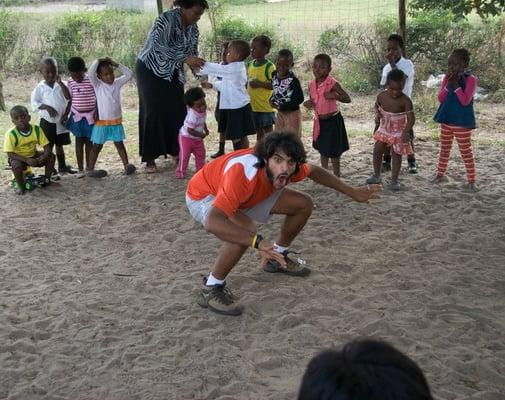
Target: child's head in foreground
{"type": "Point", "coordinates": [364, 369]}
{"type": "Point", "coordinates": [20, 117]}
{"type": "Point", "coordinates": [395, 81]}
{"type": "Point", "coordinates": [195, 98]}
{"type": "Point", "coordinates": [77, 68]}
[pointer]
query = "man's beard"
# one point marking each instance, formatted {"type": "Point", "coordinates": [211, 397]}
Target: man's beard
{"type": "Point", "coordinates": [285, 177]}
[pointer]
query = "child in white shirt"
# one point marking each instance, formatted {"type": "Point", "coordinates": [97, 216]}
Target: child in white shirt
{"type": "Point", "coordinates": [50, 99]}
{"type": "Point", "coordinates": [235, 113]}
{"type": "Point", "coordinates": [109, 126]}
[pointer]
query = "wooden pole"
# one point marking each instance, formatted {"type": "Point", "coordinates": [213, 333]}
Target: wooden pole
{"type": "Point", "coordinates": [160, 7]}
{"type": "Point", "coordinates": [402, 19]}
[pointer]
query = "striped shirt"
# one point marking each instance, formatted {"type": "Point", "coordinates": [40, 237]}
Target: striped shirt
{"type": "Point", "coordinates": [168, 44]}
{"type": "Point", "coordinates": [83, 95]}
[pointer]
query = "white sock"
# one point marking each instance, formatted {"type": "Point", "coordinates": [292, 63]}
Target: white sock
{"type": "Point", "coordinates": [279, 249]}
{"type": "Point", "coordinates": [212, 281]}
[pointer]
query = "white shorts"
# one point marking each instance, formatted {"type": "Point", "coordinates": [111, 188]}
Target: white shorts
{"type": "Point", "coordinates": [261, 212]}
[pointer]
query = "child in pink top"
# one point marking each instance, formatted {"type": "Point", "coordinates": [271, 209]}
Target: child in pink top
{"type": "Point", "coordinates": [193, 131]}
{"type": "Point", "coordinates": [329, 133]}
{"type": "Point", "coordinates": [395, 119]}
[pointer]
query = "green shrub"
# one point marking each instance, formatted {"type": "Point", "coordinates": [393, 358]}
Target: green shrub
{"type": "Point", "coordinates": [9, 34]}
{"type": "Point", "coordinates": [237, 28]}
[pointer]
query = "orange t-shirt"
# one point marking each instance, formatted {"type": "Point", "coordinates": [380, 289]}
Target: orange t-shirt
{"type": "Point", "coordinates": [236, 181]}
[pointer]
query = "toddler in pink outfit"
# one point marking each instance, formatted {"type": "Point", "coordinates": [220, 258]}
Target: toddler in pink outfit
{"type": "Point", "coordinates": [193, 131]}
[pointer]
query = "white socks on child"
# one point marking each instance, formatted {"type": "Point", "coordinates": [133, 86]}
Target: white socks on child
{"type": "Point", "coordinates": [212, 281]}
{"type": "Point", "coordinates": [279, 249]}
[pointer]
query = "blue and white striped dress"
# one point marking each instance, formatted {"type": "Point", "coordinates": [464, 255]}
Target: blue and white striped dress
{"type": "Point", "coordinates": [168, 44]}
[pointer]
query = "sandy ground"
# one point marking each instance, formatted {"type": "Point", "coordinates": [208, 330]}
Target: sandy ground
{"type": "Point", "coordinates": [99, 278]}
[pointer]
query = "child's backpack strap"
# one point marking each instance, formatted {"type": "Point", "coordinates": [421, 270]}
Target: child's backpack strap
{"type": "Point", "coordinates": [15, 136]}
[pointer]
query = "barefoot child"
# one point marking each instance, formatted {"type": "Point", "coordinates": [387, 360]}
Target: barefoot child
{"type": "Point", "coordinates": [395, 55]}
{"type": "Point", "coordinates": [50, 99]}
{"type": "Point", "coordinates": [287, 94]}
{"type": "Point", "coordinates": [109, 126]}
{"type": "Point", "coordinates": [235, 114]}
{"type": "Point", "coordinates": [394, 114]}
{"type": "Point", "coordinates": [456, 115]}
{"type": "Point", "coordinates": [20, 144]}
{"type": "Point", "coordinates": [259, 73]}
{"type": "Point", "coordinates": [193, 132]}
{"type": "Point", "coordinates": [329, 133]}
{"type": "Point", "coordinates": [82, 112]}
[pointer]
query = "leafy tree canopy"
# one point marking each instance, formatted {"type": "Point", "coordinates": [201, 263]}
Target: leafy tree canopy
{"type": "Point", "coordinates": [461, 8]}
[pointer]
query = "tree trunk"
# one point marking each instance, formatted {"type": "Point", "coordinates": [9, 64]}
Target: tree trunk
{"type": "Point", "coordinates": [160, 7]}
{"type": "Point", "coordinates": [402, 19]}
{"type": "Point", "coordinates": [2, 101]}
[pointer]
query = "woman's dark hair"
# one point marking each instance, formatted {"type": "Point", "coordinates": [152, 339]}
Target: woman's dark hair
{"type": "Point", "coordinates": [463, 55]}
{"type": "Point", "coordinates": [285, 53]}
{"type": "Point", "coordinates": [76, 64]}
{"type": "Point", "coordinates": [191, 3]}
{"type": "Point", "coordinates": [286, 141]}
{"type": "Point", "coordinates": [242, 47]}
{"type": "Point", "coordinates": [396, 38]}
{"type": "Point", "coordinates": [396, 75]}
{"type": "Point", "coordinates": [325, 58]}
{"type": "Point", "coordinates": [264, 41]}
{"type": "Point", "coordinates": [364, 369]}
{"type": "Point", "coordinates": [192, 95]}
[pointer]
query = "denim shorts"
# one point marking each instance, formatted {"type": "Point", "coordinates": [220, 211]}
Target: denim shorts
{"type": "Point", "coordinates": [263, 119]}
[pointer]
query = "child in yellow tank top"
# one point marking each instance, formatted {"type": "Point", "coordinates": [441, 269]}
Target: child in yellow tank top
{"type": "Point", "coordinates": [259, 87]}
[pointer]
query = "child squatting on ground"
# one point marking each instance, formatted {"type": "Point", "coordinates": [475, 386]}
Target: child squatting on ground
{"type": "Point", "coordinates": [109, 126]}
{"type": "Point", "coordinates": [287, 94]}
{"type": "Point", "coordinates": [329, 133]}
{"type": "Point", "coordinates": [259, 86]}
{"type": "Point", "coordinates": [456, 115]}
{"type": "Point", "coordinates": [193, 131]}
{"type": "Point", "coordinates": [50, 99]}
{"type": "Point", "coordinates": [235, 114]}
{"type": "Point", "coordinates": [20, 144]}
{"type": "Point", "coordinates": [394, 116]}
{"type": "Point", "coordinates": [83, 111]}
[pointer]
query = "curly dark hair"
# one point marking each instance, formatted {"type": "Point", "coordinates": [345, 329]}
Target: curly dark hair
{"type": "Point", "coordinates": [396, 38]}
{"type": "Point", "coordinates": [285, 53]}
{"type": "Point", "coordinates": [463, 55]}
{"type": "Point", "coordinates": [192, 95]}
{"type": "Point", "coordinates": [364, 369]}
{"type": "Point", "coordinates": [396, 75]}
{"type": "Point", "coordinates": [191, 3]}
{"type": "Point", "coordinates": [264, 40]}
{"type": "Point", "coordinates": [242, 47]}
{"type": "Point", "coordinates": [286, 141]}
{"type": "Point", "coordinates": [324, 58]}
{"type": "Point", "coordinates": [76, 64]}
{"type": "Point", "coordinates": [18, 109]}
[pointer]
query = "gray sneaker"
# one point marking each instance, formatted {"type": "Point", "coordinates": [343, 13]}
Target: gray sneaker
{"type": "Point", "coordinates": [374, 179]}
{"type": "Point", "coordinates": [295, 267]}
{"type": "Point", "coordinates": [394, 186]}
{"type": "Point", "coordinates": [219, 299]}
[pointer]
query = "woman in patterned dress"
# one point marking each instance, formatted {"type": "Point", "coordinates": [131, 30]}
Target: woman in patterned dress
{"type": "Point", "coordinates": [171, 43]}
